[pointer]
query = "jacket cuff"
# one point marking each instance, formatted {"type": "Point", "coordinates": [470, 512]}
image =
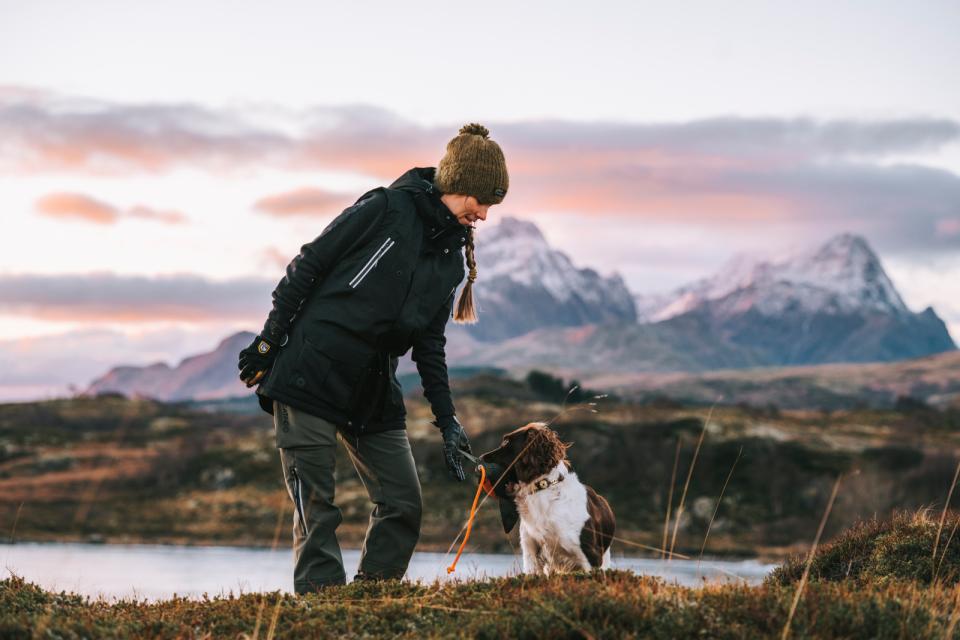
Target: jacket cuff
{"type": "Point", "coordinates": [273, 332]}
{"type": "Point", "coordinates": [445, 420]}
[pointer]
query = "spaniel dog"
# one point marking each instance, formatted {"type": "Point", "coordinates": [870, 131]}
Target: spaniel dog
{"type": "Point", "coordinates": [564, 524]}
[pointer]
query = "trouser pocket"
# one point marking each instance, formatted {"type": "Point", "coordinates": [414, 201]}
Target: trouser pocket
{"type": "Point", "coordinates": [298, 499]}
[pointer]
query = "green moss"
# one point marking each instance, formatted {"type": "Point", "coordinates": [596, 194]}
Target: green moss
{"type": "Point", "coordinates": [877, 551]}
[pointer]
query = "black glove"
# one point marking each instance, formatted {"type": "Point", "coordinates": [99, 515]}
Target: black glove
{"type": "Point", "coordinates": [256, 360]}
{"type": "Point", "coordinates": [454, 438]}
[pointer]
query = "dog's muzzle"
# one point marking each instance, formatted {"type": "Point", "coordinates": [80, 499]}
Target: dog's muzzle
{"type": "Point", "coordinates": [491, 484]}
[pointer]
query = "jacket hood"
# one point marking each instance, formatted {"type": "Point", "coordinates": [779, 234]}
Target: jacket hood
{"type": "Point", "coordinates": [418, 182]}
{"type": "Point", "coordinates": [416, 179]}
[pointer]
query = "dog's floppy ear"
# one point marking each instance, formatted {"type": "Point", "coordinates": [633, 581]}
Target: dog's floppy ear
{"type": "Point", "coordinates": [541, 453]}
{"type": "Point", "coordinates": [508, 514]}
{"type": "Point", "coordinates": [494, 476]}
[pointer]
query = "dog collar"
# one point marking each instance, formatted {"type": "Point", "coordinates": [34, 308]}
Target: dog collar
{"type": "Point", "coordinates": [544, 483]}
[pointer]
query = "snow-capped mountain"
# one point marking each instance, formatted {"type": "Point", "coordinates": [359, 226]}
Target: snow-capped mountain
{"type": "Point", "coordinates": [842, 276]}
{"type": "Point", "coordinates": [525, 284]}
{"type": "Point", "coordinates": [833, 303]}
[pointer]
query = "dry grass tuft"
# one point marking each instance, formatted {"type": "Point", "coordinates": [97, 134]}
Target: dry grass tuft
{"type": "Point", "coordinates": [881, 550]}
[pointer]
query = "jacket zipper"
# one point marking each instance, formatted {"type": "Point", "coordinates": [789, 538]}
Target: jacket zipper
{"type": "Point", "coordinates": [372, 262]}
{"type": "Point", "coordinates": [297, 493]}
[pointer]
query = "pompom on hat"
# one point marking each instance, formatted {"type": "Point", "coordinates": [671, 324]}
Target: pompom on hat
{"type": "Point", "coordinates": [473, 165]}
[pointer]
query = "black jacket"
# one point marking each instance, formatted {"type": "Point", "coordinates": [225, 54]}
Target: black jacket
{"type": "Point", "coordinates": [377, 282]}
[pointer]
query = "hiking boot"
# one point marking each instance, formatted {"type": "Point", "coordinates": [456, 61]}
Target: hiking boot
{"type": "Point", "coordinates": [367, 577]}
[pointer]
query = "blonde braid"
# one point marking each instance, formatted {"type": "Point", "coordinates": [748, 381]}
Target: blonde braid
{"type": "Point", "coordinates": [465, 313]}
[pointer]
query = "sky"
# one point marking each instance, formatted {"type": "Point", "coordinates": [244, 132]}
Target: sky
{"type": "Point", "coordinates": [160, 163]}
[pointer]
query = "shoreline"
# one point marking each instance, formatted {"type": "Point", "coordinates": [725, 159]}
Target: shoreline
{"type": "Point", "coordinates": [431, 549]}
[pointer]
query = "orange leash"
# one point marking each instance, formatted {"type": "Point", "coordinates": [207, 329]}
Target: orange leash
{"type": "Point", "coordinates": [473, 513]}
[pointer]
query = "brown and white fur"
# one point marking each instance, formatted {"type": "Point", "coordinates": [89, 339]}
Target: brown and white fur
{"type": "Point", "coordinates": [564, 524]}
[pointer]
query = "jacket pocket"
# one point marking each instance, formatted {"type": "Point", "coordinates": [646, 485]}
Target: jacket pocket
{"type": "Point", "coordinates": [310, 370]}
{"type": "Point", "coordinates": [333, 373]}
{"type": "Point", "coordinates": [371, 262]}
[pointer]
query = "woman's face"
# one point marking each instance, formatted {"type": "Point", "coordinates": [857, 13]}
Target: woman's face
{"type": "Point", "coordinates": [473, 211]}
{"type": "Point", "coordinates": [466, 208]}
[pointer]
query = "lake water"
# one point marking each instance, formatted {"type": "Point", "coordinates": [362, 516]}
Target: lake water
{"type": "Point", "coordinates": [159, 571]}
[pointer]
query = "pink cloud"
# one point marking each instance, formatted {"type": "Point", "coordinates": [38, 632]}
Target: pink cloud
{"type": "Point", "coordinates": [658, 186]}
{"type": "Point", "coordinates": [85, 208]}
{"type": "Point", "coordinates": [100, 314]}
{"type": "Point", "coordinates": [102, 297]}
{"type": "Point", "coordinates": [148, 213]}
{"type": "Point", "coordinates": [304, 201]}
{"type": "Point", "coordinates": [77, 206]}
{"type": "Point", "coordinates": [47, 132]}
{"type": "Point", "coordinates": [949, 227]}
{"type": "Point", "coordinates": [709, 171]}
{"type": "Point", "coordinates": [272, 257]}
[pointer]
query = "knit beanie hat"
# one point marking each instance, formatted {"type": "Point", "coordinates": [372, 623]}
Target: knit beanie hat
{"type": "Point", "coordinates": [473, 165]}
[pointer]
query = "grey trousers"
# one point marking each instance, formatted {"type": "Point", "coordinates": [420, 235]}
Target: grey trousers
{"type": "Point", "coordinates": [308, 446]}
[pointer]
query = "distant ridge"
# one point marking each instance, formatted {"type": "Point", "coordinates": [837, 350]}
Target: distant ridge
{"type": "Point", "coordinates": [206, 376]}
{"type": "Point", "coordinates": [832, 303]}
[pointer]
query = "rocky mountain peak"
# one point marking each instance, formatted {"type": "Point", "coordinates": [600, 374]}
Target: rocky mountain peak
{"type": "Point", "coordinates": [517, 263]}
{"type": "Point", "coordinates": [511, 228]}
{"type": "Point", "coordinates": [842, 275]}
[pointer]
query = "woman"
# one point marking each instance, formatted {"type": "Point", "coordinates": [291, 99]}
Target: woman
{"type": "Point", "coordinates": [378, 282]}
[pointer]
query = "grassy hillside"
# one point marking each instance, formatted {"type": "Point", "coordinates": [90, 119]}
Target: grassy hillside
{"type": "Point", "coordinates": [614, 605]}
{"type": "Point", "coordinates": [905, 546]}
{"type": "Point", "coordinates": [112, 469]}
